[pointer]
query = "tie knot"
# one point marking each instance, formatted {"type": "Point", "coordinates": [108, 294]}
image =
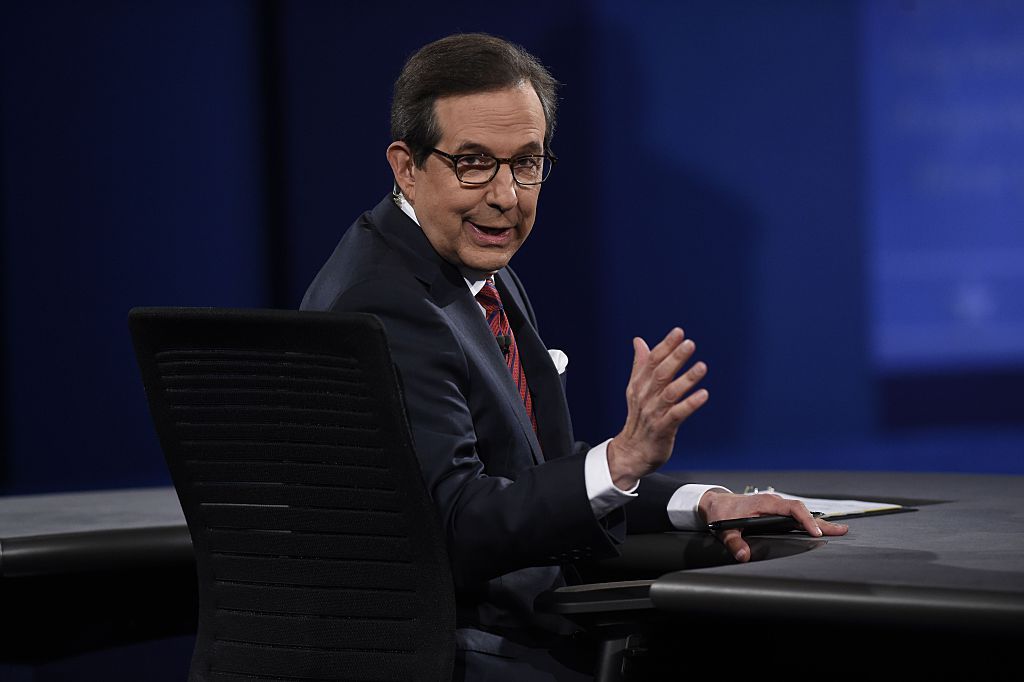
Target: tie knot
{"type": "Point", "coordinates": [488, 297]}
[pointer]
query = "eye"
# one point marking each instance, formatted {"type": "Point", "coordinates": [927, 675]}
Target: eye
{"type": "Point", "coordinates": [475, 162]}
{"type": "Point", "coordinates": [528, 163]}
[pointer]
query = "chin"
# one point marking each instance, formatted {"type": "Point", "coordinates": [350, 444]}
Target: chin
{"type": "Point", "coordinates": [487, 263]}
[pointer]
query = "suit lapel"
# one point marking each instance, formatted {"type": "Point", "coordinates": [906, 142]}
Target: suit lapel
{"type": "Point", "coordinates": [480, 345]}
{"type": "Point", "coordinates": [549, 403]}
{"type": "Point", "coordinates": [449, 292]}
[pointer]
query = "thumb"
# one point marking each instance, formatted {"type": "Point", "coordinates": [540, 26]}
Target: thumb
{"type": "Point", "coordinates": [640, 353]}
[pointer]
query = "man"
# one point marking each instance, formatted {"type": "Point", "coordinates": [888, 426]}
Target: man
{"type": "Point", "coordinates": [472, 121]}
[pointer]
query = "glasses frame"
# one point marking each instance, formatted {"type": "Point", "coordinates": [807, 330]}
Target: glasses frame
{"type": "Point", "coordinates": [454, 158]}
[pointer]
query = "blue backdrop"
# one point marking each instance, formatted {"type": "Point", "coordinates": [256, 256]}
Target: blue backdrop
{"type": "Point", "coordinates": [719, 171]}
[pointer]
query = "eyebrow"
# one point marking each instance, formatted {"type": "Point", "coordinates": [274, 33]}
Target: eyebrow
{"type": "Point", "coordinates": [475, 147]}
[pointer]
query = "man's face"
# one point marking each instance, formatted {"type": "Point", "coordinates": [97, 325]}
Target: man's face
{"type": "Point", "coordinates": [480, 227]}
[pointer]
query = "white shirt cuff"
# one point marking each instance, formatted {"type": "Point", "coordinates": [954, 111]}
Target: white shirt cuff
{"type": "Point", "coordinates": [604, 496]}
{"type": "Point", "coordinates": [682, 506]}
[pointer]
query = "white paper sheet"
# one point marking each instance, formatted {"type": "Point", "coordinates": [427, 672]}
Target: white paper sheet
{"type": "Point", "coordinates": [836, 508]}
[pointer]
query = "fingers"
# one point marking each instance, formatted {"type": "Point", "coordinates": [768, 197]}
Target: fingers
{"type": "Point", "coordinates": [683, 385]}
{"type": "Point", "coordinates": [736, 545]}
{"type": "Point", "coordinates": [654, 388]}
{"type": "Point", "coordinates": [739, 549]}
{"type": "Point", "coordinates": [681, 411]}
{"type": "Point", "coordinates": [669, 356]}
{"type": "Point", "coordinates": [799, 512]}
{"type": "Point", "coordinates": [685, 382]}
{"type": "Point", "coordinates": [829, 528]}
{"type": "Point", "coordinates": [656, 369]}
{"type": "Point", "coordinates": [816, 527]}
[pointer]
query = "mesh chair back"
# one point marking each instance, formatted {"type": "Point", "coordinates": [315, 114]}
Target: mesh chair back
{"type": "Point", "coordinates": [318, 550]}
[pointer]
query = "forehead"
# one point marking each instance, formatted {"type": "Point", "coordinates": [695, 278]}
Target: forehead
{"type": "Point", "coordinates": [499, 121]}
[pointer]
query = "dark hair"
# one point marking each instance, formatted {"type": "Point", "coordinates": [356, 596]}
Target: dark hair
{"type": "Point", "coordinates": [462, 64]}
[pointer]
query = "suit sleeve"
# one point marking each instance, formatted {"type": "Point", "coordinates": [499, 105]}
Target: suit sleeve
{"type": "Point", "coordinates": [494, 524]}
{"type": "Point", "coordinates": [649, 513]}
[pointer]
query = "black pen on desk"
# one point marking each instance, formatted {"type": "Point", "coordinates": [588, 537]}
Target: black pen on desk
{"type": "Point", "coordinates": [769, 523]}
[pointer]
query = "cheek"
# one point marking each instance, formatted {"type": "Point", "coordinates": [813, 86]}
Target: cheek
{"type": "Point", "coordinates": [452, 204]}
{"type": "Point", "coordinates": [528, 206]}
{"type": "Point", "coordinates": [442, 216]}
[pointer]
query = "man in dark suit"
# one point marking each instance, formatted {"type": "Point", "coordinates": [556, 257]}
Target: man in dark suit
{"type": "Point", "coordinates": [472, 120]}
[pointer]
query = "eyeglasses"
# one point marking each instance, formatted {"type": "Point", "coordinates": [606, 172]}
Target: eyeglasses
{"type": "Point", "coordinates": [479, 169]}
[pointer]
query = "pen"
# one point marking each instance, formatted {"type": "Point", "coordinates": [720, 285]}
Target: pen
{"type": "Point", "coordinates": [769, 523]}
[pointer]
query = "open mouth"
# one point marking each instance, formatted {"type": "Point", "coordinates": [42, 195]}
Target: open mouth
{"type": "Point", "coordinates": [492, 231]}
{"type": "Point", "coordinates": [485, 235]}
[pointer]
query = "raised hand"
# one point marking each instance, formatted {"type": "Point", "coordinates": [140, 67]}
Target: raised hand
{"type": "Point", "coordinates": [658, 400]}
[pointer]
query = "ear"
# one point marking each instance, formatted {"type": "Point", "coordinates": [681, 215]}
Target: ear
{"type": "Point", "coordinates": [404, 169]}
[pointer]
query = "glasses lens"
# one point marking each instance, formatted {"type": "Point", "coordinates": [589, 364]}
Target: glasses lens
{"type": "Point", "coordinates": [529, 170]}
{"type": "Point", "coordinates": [475, 169]}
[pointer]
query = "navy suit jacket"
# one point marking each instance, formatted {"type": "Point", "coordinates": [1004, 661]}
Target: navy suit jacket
{"type": "Point", "coordinates": [513, 503]}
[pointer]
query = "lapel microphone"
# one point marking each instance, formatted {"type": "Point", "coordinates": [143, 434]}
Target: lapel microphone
{"type": "Point", "coordinates": [504, 342]}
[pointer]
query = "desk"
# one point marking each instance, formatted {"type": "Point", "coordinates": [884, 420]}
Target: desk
{"type": "Point", "coordinates": [942, 584]}
{"type": "Point", "coordinates": [84, 571]}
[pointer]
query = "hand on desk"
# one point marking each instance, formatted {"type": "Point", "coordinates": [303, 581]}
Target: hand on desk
{"type": "Point", "coordinates": [716, 506]}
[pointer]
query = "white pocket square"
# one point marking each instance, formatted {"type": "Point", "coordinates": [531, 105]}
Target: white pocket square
{"type": "Point", "coordinates": [560, 359]}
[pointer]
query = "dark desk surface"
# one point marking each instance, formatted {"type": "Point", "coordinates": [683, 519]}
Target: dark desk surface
{"type": "Point", "coordinates": [95, 510]}
{"type": "Point", "coordinates": [954, 566]}
{"type": "Point", "coordinates": [959, 557]}
{"type": "Point", "coordinates": [956, 562]}
{"type": "Point", "coordinates": [968, 532]}
{"type": "Point", "coordinates": [103, 530]}
{"type": "Point", "coordinates": [87, 571]}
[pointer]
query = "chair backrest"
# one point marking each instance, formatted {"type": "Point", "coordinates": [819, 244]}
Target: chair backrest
{"type": "Point", "coordinates": [318, 550]}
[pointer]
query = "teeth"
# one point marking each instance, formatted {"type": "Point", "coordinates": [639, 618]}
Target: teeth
{"type": "Point", "coordinates": [490, 230]}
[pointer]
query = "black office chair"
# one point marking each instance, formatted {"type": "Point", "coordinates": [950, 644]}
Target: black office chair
{"type": "Point", "coordinates": [318, 550]}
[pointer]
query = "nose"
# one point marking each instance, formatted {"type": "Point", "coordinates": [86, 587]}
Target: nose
{"type": "Point", "coordinates": [501, 191]}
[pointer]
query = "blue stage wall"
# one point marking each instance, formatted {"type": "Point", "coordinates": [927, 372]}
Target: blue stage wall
{"type": "Point", "coordinates": [715, 174]}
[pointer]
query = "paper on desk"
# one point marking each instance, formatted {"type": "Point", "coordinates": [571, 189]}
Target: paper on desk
{"type": "Point", "coordinates": [837, 508]}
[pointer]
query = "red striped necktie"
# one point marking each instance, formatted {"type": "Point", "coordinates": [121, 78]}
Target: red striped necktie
{"type": "Point", "coordinates": [497, 320]}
